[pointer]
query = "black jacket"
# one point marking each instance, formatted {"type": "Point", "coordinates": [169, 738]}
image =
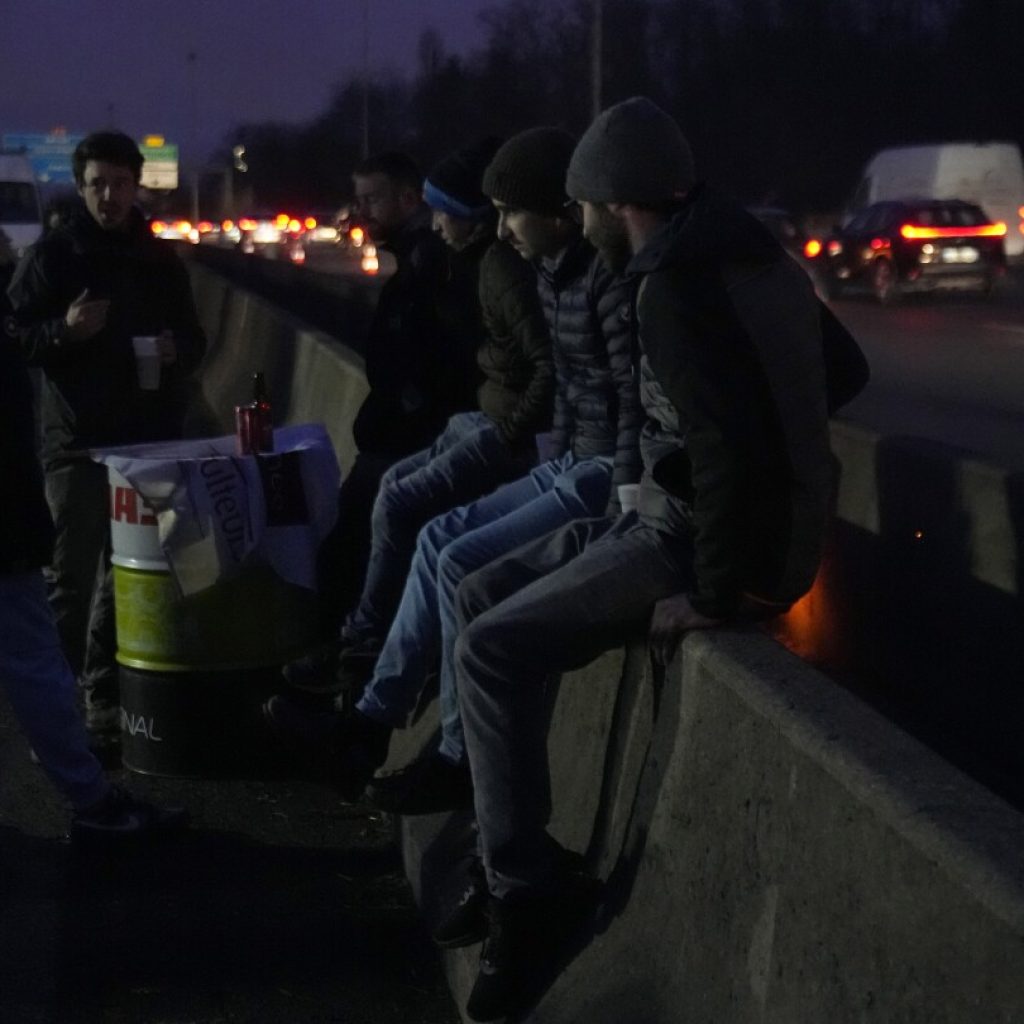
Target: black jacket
{"type": "Point", "coordinates": [733, 334]}
{"type": "Point", "coordinates": [26, 529]}
{"type": "Point", "coordinates": [597, 400]}
{"type": "Point", "coordinates": [421, 350]}
{"type": "Point", "coordinates": [90, 394]}
{"type": "Point", "coordinates": [515, 351]}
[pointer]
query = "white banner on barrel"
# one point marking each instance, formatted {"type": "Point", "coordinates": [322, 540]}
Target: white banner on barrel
{"type": "Point", "coordinates": [217, 512]}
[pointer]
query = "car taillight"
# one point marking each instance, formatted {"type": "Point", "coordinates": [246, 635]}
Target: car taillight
{"type": "Point", "coordinates": [812, 248]}
{"type": "Point", "coordinates": [996, 230]}
{"type": "Point", "coordinates": [834, 247]}
{"type": "Point", "coordinates": [158, 227]}
{"type": "Point", "coordinates": [247, 224]}
{"type": "Point", "coordinates": [310, 223]}
{"type": "Point", "coordinates": [880, 243]}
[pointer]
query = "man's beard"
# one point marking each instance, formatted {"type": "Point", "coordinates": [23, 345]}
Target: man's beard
{"type": "Point", "coordinates": [616, 253]}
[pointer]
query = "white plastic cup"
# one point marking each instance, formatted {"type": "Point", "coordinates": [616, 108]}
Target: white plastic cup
{"type": "Point", "coordinates": [147, 361]}
{"type": "Point", "coordinates": [627, 496]}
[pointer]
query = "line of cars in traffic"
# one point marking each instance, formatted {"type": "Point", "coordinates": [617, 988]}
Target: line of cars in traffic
{"type": "Point", "coordinates": [277, 236]}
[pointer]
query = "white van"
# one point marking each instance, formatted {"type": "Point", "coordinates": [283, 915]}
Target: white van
{"type": "Point", "coordinates": [21, 217]}
{"type": "Point", "coordinates": [989, 174]}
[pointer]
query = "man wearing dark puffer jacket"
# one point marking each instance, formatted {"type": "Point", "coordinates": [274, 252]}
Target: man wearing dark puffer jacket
{"type": "Point", "coordinates": [79, 296]}
{"type": "Point", "coordinates": [730, 519]}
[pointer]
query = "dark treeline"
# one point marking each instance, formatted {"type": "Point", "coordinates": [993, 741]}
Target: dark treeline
{"type": "Point", "coordinates": [782, 99]}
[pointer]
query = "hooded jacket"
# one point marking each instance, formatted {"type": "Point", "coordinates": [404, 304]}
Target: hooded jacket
{"type": "Point", "coordinates": [731, 333]}
{"type": "Point", "coordinates": [90, 391]}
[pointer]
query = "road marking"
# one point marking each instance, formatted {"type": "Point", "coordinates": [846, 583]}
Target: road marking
{"type": "Point", "coordinates": [1008, 328]}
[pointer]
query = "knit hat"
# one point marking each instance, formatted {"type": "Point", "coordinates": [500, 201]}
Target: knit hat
{"type": "Point", "coordinates": [528, 172]}
{"type": "Point", "coordinates": [453, 185]}
{"type": "Point", "coordinates": [632, 153]}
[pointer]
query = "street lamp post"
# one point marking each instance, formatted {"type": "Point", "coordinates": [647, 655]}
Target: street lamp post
{"type": "Point", "coordinates": [190, 60]}
{"type": "Point", "coordinates": [596, 46]}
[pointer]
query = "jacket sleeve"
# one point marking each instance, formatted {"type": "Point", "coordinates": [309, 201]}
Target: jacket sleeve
{"type": "Point", "coordinates": [696, 376]}
{"type": "Point", "coordinates": [516, 314]}
{"type": "Point", "coordinates": [749, 385]}
{"type": "Point", "coordinates": [613, 302]}
{"type": "Point", "coordinates": [38, 310]}
{"type": "Point", "coordinates": [561, 417]}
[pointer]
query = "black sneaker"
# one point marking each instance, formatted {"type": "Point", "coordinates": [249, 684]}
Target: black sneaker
{"type": "Point", "coordinates": [529, 940]}
{"type": "Point", "coordinates": [426, 786]}
{"type": "Point", "coordinates": [467, 922]}
{"type": "Point", "coordinates": [298, 725]}
{"type": "Point", "coordinates": [315, 672]}
{"type": "Point", "coordinates": [363, 749]}
{"type": "Point", "coordinates": [356, 662]}
{"type": "Point", "coordinates": [121, 815]}
{"type": "Point", "coordinates": [343, 750]}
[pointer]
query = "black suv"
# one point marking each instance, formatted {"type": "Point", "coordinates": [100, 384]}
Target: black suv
{"type": "Point", "coordinates": [916, 245]}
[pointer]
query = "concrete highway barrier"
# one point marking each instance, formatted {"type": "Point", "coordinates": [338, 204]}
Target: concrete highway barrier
{"type": "Point", "coordinates": [776, 850]}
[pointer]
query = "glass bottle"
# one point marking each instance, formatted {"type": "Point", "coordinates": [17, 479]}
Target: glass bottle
{"type": "Point", "coordinates": [263, 441]}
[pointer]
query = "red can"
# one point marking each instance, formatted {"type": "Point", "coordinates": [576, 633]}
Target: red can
{"type": "Point", "coordinates": [253, 431]}
{"type": "Point", "coordinates": [247, 432]}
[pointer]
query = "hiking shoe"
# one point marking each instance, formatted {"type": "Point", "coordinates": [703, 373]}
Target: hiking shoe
{"type": "Point", "coordinates": [426, 786]}
{"type": "Point", "coordinates": [467, 922]}
{"type": "Point", "coordinates": [120, 815]}
{"type": "Point", "coordinates": [529, 939]}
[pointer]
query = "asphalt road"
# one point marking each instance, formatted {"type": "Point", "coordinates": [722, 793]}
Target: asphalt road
{"type": "Point", "coordinates": [945, 367]}
{"type": "Point", "coordinates": [278, 905]}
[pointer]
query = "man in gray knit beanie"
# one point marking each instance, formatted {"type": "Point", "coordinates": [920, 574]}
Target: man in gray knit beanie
{"type": "Point", "coordinates": [728, 524]}
{"type": "Point", "coordinates": [633, 153]}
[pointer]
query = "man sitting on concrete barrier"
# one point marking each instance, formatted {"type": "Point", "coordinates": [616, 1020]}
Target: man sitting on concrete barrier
{"type": "Point", "coordinates": [596, 420]}
{"type": "Point", "coordinates": [420, 366]}
{"type": "Point", "coordinates": [730, 520]}
{"type": "Point", "coordinates": [79, 296]}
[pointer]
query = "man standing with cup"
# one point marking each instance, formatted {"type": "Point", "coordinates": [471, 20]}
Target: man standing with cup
{"type": "Point", "coordinates": [106, 312]}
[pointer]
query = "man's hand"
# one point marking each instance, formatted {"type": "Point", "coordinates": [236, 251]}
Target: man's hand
{"type": "Point", "coordinates": [167, 347]}
{"type": "Point", "coordinates": [86, 317]}
{"type": "Point", "coordinates": [672, 617]}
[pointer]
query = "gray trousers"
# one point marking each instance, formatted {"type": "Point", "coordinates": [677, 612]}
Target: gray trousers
{"type": "Point", "coordinates": [548, 607]}
{"type": "Point", "coordinates": [81, 585]}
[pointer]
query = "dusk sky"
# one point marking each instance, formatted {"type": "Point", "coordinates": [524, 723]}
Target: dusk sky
{"type": "Point", "coordinates": [85, 63]}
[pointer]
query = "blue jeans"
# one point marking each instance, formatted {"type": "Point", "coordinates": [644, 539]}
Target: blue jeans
{"type": "Point", "coordinates": [38, 682]}
{"type": "Point", "coordinates": [469, 458]}
{"type": "Point", "coordinates": [450, 547]}
{"type": "Point", "coordinates": [545, 609]}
